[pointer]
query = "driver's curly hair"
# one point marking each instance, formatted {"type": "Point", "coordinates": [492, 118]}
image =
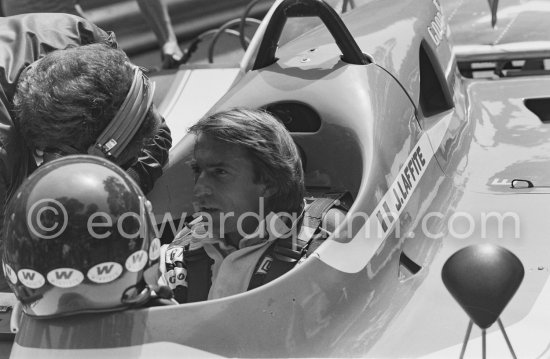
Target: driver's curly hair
{"type": "Point", "coordinates": [270, 147]}
{"type": "Point", "coordinates": [69, 96]}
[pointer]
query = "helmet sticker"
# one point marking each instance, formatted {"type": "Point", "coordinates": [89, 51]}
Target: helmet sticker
{"type": "Point", "coordinates": [10, 273]}
{"type": "Point", "coordinates": [31, 278]}
{"type": "Point", "coordinates": [65, 277]}
{"type": "Point", "coordinates": [136, 261]}
{"type": "Point", "coordinates": [105, 272]}
{"type": "Point", "coordinates": [154, 249]}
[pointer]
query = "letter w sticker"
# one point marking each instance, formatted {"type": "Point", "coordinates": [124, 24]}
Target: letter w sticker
{"type": "Point", "coordinates": [137, 257]}
{"type": "Point", "coordinates": [106, 269]}
{"type": "Point", "coordinates": [28, 275]}
{"type": "Point", "coordinates": [63, 274]}
{"type": "Point", "coordinates": [105, 272]}
{"type": "Point", "coordinates": [65, 277]}
{"type": "Point", "coordinates": [31, 278]}
{"type": "Point", "coordinates": [136, 261]}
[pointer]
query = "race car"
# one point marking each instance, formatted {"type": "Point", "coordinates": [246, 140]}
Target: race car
{"type": "Point", "coordinates": [434, 160]}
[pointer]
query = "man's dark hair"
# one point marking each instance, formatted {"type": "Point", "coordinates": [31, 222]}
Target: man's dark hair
{"type": "Point", "coordinates": [70, 96]}
{"type": "Point", "coordinates": [274, 155]}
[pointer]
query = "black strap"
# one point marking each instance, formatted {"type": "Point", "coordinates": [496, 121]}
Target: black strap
{"type": "Point", "coordinates": [284, 253]}
{"type": "Point", "coordinates": [199, 275]}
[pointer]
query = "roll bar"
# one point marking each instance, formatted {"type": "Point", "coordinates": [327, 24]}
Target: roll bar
{"type": "Point", "coordinates": [351, 53]}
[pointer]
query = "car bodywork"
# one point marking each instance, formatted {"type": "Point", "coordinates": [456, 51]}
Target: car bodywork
{"type": "Point", "coordinates": [429, 157]}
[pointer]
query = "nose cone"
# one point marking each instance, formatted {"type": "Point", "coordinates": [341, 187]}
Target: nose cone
{"type": "Point", "coordinates": [483, 279]}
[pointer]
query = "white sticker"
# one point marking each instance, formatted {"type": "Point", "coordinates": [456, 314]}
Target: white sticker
{"type": "Point", "coordinates": [136, 261]}
{"type": "Point", "coordinates": [105, 272]}
{"type": "Point", "coordinates": [65, 277]}
{"type": "Point", "coordinates": [9, 273]}
{"type": "Point", "coordinates": [31, 278]}
{"type": "Point", "coordinates": [353, 256]}
{"type": "Point", "coordinates": [154, 249]}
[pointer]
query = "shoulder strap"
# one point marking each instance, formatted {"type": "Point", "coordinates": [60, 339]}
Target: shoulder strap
{"type": "Point", "coordinates": [284, 253]}
{"type": "Point", "coordinates": [199, 274]}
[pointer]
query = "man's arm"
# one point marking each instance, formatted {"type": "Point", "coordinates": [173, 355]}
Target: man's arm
{"type": "Point", "coordinates": [26, 38]}
{"type": "Point", "coordinates": [156, 14]}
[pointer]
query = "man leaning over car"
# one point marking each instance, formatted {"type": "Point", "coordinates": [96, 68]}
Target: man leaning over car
{"type": "Point", "coordinates": [63, 81]}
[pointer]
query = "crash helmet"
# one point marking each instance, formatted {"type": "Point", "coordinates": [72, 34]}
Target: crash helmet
{"type": "Point", "coordinates": [78, 237]}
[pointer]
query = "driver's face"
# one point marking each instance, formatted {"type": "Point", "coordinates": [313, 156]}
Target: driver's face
{"type": "Point", "coordinates": [224, 186]}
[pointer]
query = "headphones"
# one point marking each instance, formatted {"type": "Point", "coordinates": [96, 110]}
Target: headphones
{"type": "Point", "coordinates": [122, 128]}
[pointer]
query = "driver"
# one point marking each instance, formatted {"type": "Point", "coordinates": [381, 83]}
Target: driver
{"type": "Point", "coordinates": [252, 223]}
{"type": "Point", "coordinates": [86, 97]}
